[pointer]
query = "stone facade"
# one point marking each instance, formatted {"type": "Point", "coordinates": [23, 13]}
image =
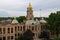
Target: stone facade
{"type": "Point", "coordinates": [12, 30]}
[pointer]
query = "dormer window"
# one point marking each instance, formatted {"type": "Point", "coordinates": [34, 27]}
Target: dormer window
{"type": "Point", "coordinates": [32, 23]}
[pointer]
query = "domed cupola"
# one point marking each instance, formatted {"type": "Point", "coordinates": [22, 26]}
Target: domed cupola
{"type": "Point", "coordinates": [14, 21]}
{"type": "Point", "coordinates": [29, 6]}
{"type": "Point", "coordinates": [42, 20]}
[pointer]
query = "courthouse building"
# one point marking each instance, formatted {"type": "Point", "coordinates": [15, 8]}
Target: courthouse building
{"type": "Point", "coordinates": [11, 29]}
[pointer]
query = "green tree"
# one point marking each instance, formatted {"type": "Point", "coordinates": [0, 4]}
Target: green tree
{"type": "Point", "coordinates": [28, 35]}
{"type": "Point", "coordinates": [45, 35]}
{"type": "Point", "coordinates": [58, 38]}
{"type": "Point", "coordinates": [54, 23]}
{"type": "Point", "coordinates": [21, 18]}
{"type": "Point", "coordinates": [20, 37]}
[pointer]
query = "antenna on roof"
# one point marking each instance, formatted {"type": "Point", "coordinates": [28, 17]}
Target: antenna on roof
{"type": "Point", "coordinates": [40, 12]}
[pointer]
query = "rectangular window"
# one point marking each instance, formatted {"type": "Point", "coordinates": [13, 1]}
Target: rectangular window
{"type": "Point", "coordinates": [15, 34]}
{"type": "Point", "coordinates": [4, 38]}
{"type": "Point", "coordinates": [8, 38]}
{"type": "Point", "coordinates": [3, 30]}
{"type": "Point", "coordinates": [35, 28]}
{"type": "Point", "coordinates": [0, 38]}
{"type": "Point", "coordinates": [32, 28]}
{"type": "Point", "coordinates": [8, 30]}
{"type": "Point", "coordinates": [15, 29]}
{"type": "Point", "coordinates": [21, 28]}
{"type": "Point", "coordinates": [0, 30]}
{"type": "Point", "coordinates": [18, 28]}
{"type": "Point", "coordinates": [11, 37]}
{"type": "Point", "coordinates": [11, 30]}
{"type": "Point", "coordinates": [18, 34]}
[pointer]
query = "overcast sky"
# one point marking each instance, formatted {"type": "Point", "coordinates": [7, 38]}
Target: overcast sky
{"type": "Point", "coordinates": [18, 7]}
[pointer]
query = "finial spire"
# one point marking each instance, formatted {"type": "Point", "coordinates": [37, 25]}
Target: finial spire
{"type": "Point", "coordinates": [15, 18]}
{"type": "Point", "coordinates": [29, 6]}
{"type": "Point", "coordinates": [42, 18]}
{"type": "Point", "coordinates": [36, 19]}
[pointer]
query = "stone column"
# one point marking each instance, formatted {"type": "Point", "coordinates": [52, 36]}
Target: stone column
{"type": "Point", "coordinates": [17, 28]}
{"type": "Point", "coordinates": [2, 38]}
{"type": "Point", "coordinates": [10, 30]}
{"type": "Point", "coordinates": [22, 28]}
{"type": "Point", "coordinates": [6, 38]}
{"type": "Point", "coordinates": [6, 30]}
{"type": "Point", "coordinates": [25, 27]}
{"type": "Point", "coordinates": [34, 28]}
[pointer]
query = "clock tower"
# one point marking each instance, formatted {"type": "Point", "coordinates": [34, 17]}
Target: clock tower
{"type": "Point", "coordinates": [29, 12]}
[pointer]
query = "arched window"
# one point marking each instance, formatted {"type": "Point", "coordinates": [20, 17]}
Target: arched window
{"type": "Point", "coordinates": [4, 38]}
{"type": "Point", "coordinates": [23, 28]}
{"type": "Point", "coordinates": [35, 28]}
{"type": "Point", "coordinates": [15, 28]}
{"type": "Point", "coordinates": [15, 34]}
{"type": "Point", "coordinates": [32, 23]}
{"type": "Point", "coordinates": [29, 27]}
{"type": "Point", "coordinates": [3, 30]}
{"type": "Point", "coordinates": [18, 34]}
{"type": "Point", "coordinates": [12, 37]}
{"type": "Point", "coordinates": [8, 38]}
{"type": "Point", "coordinates": [8, 30]}
{"type": "Point", "coordinates": [0, 30]}
{"type": "Point", "coordinates": [0, 38]}
{"type": "Point", "coordinates": [18, 28]}
{"type": "Point", "coordinates": [11, 30]}
{"type": "Point", "coordinates": [32, 28]}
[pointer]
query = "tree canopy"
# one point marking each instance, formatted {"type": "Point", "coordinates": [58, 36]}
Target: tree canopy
{"type": "Point", "coordinates": [20, 37]}
{"type": "Point", "coordinates": [21, 18]}
{"type": "Point", "coordinates": [27, 35]}
{"type": "Point", "coordinates": [54, 22]}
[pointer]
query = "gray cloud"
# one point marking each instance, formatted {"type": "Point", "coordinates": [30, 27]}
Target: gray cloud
{"type": "Point", "coordinates": [17, 7]}
{"type": "Point", "coordinates": [4, 14]}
